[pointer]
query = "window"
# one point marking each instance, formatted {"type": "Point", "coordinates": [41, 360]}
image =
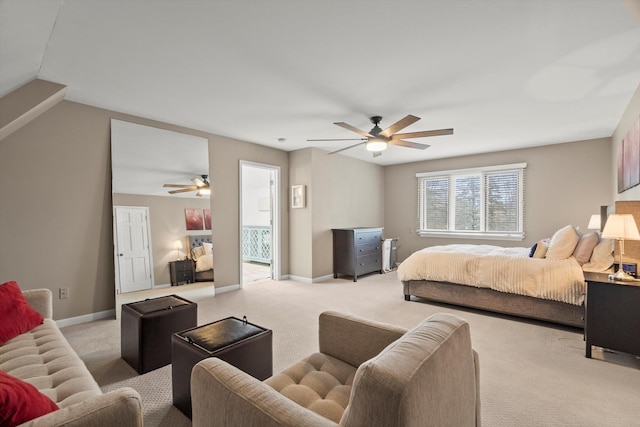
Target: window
{"type": "Point", "coordinates": [475, 203]}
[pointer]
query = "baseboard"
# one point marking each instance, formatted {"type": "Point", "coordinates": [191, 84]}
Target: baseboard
{"type": "Point", "coordinates": [107, 314]}
{"type": "Point", "coordinates": [310, 280]}
{"type": "Point", "coordinates": [322, 278]}
{"type": "Point", "coordinates": [226, 289]}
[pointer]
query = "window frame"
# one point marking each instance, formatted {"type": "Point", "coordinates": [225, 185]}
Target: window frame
{"type": "Point", "coordinates": [451, 176]}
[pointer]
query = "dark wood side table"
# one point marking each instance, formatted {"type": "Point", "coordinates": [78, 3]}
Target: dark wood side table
{"type": "Point", "coordinates": [612, 318]}
{"type": "Point", "coordinates": [182, 271]}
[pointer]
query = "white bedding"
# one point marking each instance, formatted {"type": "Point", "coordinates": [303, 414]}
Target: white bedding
{"type": "Point", "coordinates": [502, 269]}
{"type": "Point", "coordinates": [204, 263]}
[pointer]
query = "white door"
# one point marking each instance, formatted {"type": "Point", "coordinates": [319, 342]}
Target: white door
{"type": "Point", "coordinates": [132, 249]}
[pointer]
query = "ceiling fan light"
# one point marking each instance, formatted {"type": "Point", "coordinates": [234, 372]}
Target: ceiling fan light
{"type": "Point", "coordinates": [205, 191]}
{"type": "Point", "coordinates": [376, 145]}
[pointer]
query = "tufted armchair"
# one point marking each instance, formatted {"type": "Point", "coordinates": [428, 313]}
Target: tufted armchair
{"type": "Point", "coordinates": [366, 374]}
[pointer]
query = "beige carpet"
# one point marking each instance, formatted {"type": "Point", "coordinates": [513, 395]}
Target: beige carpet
{"type": "Point", "coordinates": [532, 374]}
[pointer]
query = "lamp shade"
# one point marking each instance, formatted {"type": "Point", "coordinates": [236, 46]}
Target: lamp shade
{"type": "Point", "coordinates": [177, 244]}
{"type": "Point", "coordinates": [594, 222]}
{"type": "Point", "coordinates": [621, 226]}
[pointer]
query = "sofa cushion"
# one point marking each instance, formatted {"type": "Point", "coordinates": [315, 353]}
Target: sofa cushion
{"type": "Point", "coordinates": [320, 383]}
{"type": "Point", "coordinates": [21, 402]}
{"type": "Point", "coordinates": [43, 358]}
{"type": "Point", "coordinates": [17, 317]}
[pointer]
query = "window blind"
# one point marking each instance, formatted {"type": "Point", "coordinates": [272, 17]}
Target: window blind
{"type": "Point", "coordinates": [480, 202]}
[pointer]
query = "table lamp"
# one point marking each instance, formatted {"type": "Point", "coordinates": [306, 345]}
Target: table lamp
{"type": "Point", "coordinates": [621, 227]}
{"type": "Point", "coordinates": [177, 245]}
{"type": "Point", "coordinates": [594, 222]}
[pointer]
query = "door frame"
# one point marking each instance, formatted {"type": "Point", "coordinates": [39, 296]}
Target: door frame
{"type": "Point", "coordinates": [275, 219]}
{"type": "Point", "coordinates": [116, 258]}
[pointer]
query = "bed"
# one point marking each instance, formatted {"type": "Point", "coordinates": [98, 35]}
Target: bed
{"type": "Point", "coordinates": [201, 252]}
{"type": "Point", "coordinates": [545, 282]}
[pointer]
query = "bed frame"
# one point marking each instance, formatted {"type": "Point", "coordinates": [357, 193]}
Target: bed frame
{"type": "Point", "coordinates": [499, 302]}
{"type": "Point", "coordinates": [194, 242]}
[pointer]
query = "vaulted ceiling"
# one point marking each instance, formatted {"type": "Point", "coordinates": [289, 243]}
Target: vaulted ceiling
{"type": "Point", "coordinates": [504, 74]}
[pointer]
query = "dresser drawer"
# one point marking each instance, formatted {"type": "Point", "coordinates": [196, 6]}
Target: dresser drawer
{"type": "Point", "coordinates": [368, 263]}
{"type": "Point", "coordinates": [368, 237]}
{"type": "Point", "coordinates": [368, 249]}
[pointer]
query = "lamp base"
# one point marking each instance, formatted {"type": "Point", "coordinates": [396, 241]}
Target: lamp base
{"type": "Point", "coordinates": [620, 275]}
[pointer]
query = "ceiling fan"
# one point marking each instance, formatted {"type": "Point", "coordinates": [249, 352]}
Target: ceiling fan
{"type": "Point", "coordinates": [201, 186]}
{"type": "Point", "coordinates": [376, 140]}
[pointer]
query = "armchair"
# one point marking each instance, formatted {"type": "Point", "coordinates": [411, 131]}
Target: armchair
{"type": "Point", "coordinates": [365, 374]}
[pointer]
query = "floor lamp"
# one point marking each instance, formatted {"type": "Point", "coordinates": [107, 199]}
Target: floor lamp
{"type": "Point", "coordinates": [621, 227]}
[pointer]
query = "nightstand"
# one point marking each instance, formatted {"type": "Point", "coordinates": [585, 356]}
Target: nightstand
{"type": "Point", "coordinates": [612, 318]}
{"type": "Point", "coordinates": [181, 271]}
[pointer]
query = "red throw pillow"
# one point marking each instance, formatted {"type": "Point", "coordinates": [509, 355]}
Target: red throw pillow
{"type": "Point", "coordinates": [21, 402]}
{"type": "Point", "coordinates": [16, 314]}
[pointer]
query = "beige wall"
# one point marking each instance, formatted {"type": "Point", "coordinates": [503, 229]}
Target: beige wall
{"type": "Point", "coordinates": [224, 163]}
{"type": "Point", "coordinates": [55, 204]}
{"type": "Point", "coordinates": [167, 224]}
{"type": "Point", "coordinates": [565, 184]}
{"type": "Point", "coordinates": [341, 192]}
{"type": "Point", "coordinates": [631, 114]}
{"type": "Point", "coordinates": [300, 220]}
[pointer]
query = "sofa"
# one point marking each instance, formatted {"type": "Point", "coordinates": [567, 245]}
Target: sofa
{"type": "Point", "coordinates": [43, 358]}
{"type": "Point", "coordinates": [366, 373]}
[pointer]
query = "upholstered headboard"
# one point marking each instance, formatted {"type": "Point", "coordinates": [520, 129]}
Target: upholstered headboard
{"type": "Point", "coordinates": [198, 240]}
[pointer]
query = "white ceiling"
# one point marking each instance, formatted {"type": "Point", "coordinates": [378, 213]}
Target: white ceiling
{"type": "Point", "coordinates": [504, 74]}
{"type": "Point", "coordinates": [144, 158]}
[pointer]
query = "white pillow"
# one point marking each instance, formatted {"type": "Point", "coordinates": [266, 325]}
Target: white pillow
{"type": "Point", "coordinates": [602, 256]}
{"type": "Point", "coordinates": [563, 243]}
{"type": "Point", "coordinates": [197, 252]}
{"type": "Point", "coordinates": [204, 263]}
{"type": "Point", "coordinates": [208, 248]}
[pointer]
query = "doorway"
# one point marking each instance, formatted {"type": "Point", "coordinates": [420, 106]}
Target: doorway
{"type": "Point", "coordinates": [259, 222]}
{"type": "Point", "coordinates": [132, 246]}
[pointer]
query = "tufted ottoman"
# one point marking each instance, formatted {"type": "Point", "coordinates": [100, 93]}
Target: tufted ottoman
{"type": "Point", "coordinates": [320, 383]}
{"type": "Point", "coordinates": [146, 328]}
{"type": "Point", "coordinates": [242, 344]}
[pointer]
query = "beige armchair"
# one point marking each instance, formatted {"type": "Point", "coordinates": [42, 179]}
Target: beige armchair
{"type": "Point", "coordinates": [366, 374]}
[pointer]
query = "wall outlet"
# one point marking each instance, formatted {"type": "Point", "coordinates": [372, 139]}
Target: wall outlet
{"type": "Point", "coordinates": [64, 293]}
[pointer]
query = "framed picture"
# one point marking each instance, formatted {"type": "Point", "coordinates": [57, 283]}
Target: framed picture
{"type": "Point", "coordinates": [207, 219]}
{"type": "Point", "coordinates": [631, 157]}
{"type": "Point", "coordinates": [297, 196]}
{"type": "Point", "coordinates": [193, 218]}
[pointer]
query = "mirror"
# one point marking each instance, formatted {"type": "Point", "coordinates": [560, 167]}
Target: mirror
{"type": "Point", "coordinates": [153, 228]}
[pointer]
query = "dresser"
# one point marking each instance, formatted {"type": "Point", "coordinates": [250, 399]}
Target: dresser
{"type": "Point", "coordinates": [357, 251]}
{"type": "Point", "coordinates": [182, 271]}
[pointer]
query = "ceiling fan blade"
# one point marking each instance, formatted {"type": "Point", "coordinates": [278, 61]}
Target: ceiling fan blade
{"type": "Point", "coordinates": [423, 134]}
{"type": "Point", "coordinates": [346, 148]}
{"type": "Point", "coordinates": [184, 190]}
{"type": "Point", "coordinates": [377, 153]}
{"type": "Point", "coordinates": [177, 185]}
{"type": "Point", "coordinates": [408, 144]}
{"type": "Point", "coordinates": [399, 125]}
{"type": "Point", "coordinates": [354, 129]}
{"type": "Point", "coordinates": [337, 139]}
